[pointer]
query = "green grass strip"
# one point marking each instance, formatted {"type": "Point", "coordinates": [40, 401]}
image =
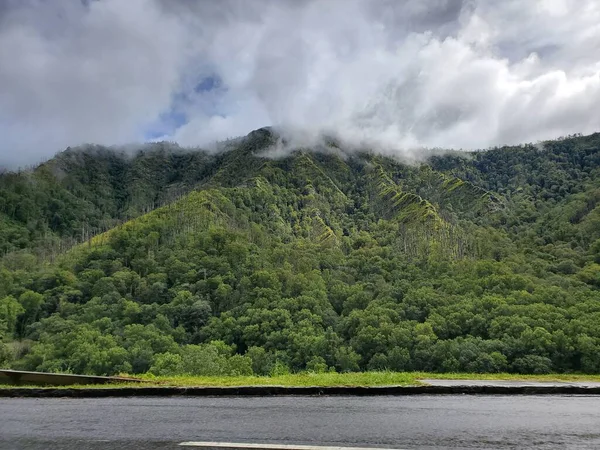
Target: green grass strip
{"type": "Point", "coordinates": [329, 379]}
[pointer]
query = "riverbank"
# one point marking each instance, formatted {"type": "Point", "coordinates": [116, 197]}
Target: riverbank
{"type": "Point", "coordinates": [305, 379]}
{"type": "Point", "coordinates": [368, 383]}
{"type": "Point", "coordinates": [361, 379]}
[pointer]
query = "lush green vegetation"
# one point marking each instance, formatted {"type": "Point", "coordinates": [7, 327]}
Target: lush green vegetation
{"type": "Point", "coordinates": [484, 262]}
{"type": "Point", "coordinates": [355, 379]}
{"type": "Point", "coordinates": [83, 192]}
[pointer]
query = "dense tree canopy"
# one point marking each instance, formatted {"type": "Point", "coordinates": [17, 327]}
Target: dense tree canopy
{"type": "Point", "coordinates": [233, 263]}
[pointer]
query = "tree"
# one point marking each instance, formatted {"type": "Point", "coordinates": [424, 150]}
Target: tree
{"type": "Point", "coordinates": [31, 303]}
{"type": "Point", "coordinates": [10, 311]}
{"type": "Point", "coordinates": [347, 360]}
{"type": "Point", "coordinates": [532, 364]}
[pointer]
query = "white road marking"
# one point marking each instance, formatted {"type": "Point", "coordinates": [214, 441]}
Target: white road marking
{"type": "Point", "coordinates": [242, 446]}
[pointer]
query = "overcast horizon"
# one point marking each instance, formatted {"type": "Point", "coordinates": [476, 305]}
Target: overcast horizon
{"type": "Point", "coordinates": [394, 75]}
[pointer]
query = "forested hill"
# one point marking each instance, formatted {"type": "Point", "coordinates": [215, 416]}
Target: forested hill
{"type": "Point", "coordinates": [175, 261]}
{"type": "Point", "coordinates": [84, 191]}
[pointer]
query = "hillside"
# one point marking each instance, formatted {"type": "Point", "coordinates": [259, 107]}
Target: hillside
{"type": "Point", "coordinates": [173, 261]}
{"type": "Point", "coordinates": [82, 192]}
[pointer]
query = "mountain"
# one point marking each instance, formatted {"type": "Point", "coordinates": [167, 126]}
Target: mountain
{"type": "Point", "coordinates": [177, 261]}
{"type": "Point", "coordinates": [88, 190]}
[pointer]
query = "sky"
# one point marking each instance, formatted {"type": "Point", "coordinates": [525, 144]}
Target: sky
{"type": "Point", "coordinates": [392, 74]}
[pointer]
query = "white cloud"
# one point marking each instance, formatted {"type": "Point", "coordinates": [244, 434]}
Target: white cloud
{"type": "Point", "coordinates": [400, 75]}
{"type": "Point", "coordinates": [71, 74]}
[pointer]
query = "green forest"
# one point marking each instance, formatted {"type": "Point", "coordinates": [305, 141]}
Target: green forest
{"type": "Point", "coordinates": [173, 261]}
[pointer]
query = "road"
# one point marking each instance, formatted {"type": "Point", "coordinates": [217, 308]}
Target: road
{"type": "Point", "coordinates": [419, 422]}
{"type": "Point", "coordinates": [511, 383]}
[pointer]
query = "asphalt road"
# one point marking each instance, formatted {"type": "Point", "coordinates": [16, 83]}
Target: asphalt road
{"type": "Point", "coordinates": [420, 422]}
{"type": "Point", "coordinates": [511, 383]}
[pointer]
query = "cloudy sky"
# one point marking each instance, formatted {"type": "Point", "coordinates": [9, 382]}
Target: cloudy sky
{"type": "Point", "coordinates": [396, 74]}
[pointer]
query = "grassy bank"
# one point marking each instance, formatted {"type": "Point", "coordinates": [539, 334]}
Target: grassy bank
{"type": "Point", "coordinates": [335, 379]}
{"type": "Point", "coordinates": [356, 379]}
{"type": "Point", "coordinates": [297, 379]}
